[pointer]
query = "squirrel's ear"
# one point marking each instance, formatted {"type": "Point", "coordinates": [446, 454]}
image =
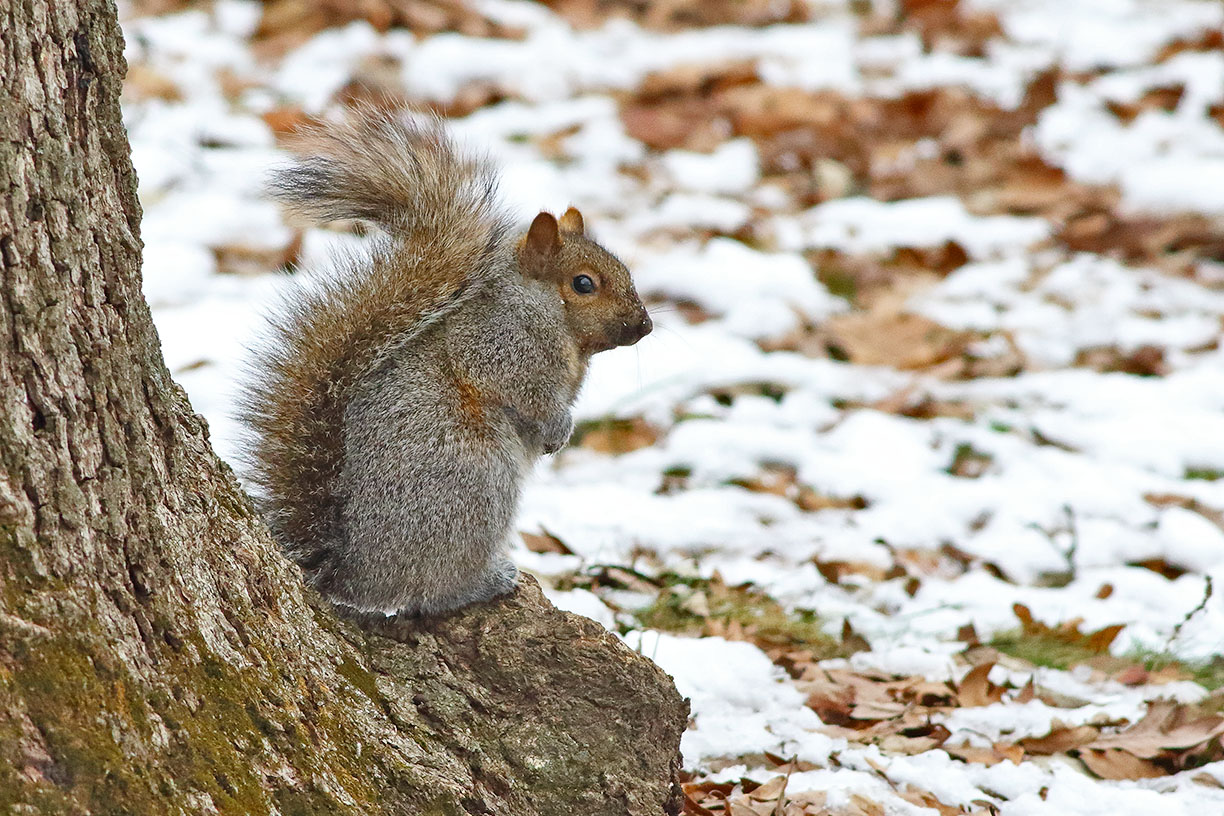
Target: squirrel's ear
{"type": "Point", "coordinates": [542, 238]}
{"type": "Point", "coordinates": [572, 221]}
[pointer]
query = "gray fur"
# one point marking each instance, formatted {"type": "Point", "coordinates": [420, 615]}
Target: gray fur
{"type": "Point", "coordinates": [430, 497]}
{"type": "Point", "coordinates": [398, 406]}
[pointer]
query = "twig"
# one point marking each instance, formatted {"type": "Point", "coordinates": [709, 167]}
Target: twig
{"type": "Point", "coordinates": [790, 768]}
{"type": "Point", "coordinates": [1208, 591]}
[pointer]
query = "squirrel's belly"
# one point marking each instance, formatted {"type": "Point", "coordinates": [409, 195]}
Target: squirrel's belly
{"type": "Point", "coordinates": [429, 498]}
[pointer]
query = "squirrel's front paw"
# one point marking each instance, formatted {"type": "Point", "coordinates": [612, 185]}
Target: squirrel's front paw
{"type": "Point", "coordinates": [556, 432]}
{"type": "Point", "coordinates": [501, 579]}
{"type": "Point", "coordinates": [504, 577]}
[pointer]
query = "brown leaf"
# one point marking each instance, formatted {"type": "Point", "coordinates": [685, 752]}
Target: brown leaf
{"type": "Point", "coordinates": [700, 789]}
{"type": "Point", "coordinates": [1100, 640]}
{"type": "Point", "coordinates": [691, 808]}
{"type": "Point", "coordinates": [862, 806]}
{"type": "Point", "coordinates": [1061, 738]}
{"type": "Point", "coordinates": [243, 260]}
{"type": "Point", "coordinates": [286, 121]}
{"type": "Point", "coordinates": [1145, 361]}
{"type": "Point", "coordinates": [782, 764]}
{"type": "Point", "coordinates": [545, 542]}
{"type": "Point", "coordinates": [616, 436]}
{"type": "Point", "coordinates": [832, 704]}
{"type": "Point", "coordinates": [1024, 614]}
{"type": "Point", "coordinates": [999, 752]}
{"type": "Point", "coordinates": [813, 799]}
{"type": "Point", "coordinates": [925, 799]}
{"type": "Point", "coordinates": [976, 689]}
{"type": "Point", "coordinates": [810, 501]}
{"type": "Point", "coordinates": [1097, 642]}
{"type": "Point", "coordinates": [929, 693]}
{"type": "Point", "coordinates": [1160, 567]}
{"type": "Point", "coordinates": [1164, 98]}
{"type": "Point", "coordinates": [1114, 763]}
{"type": "Point", "coordinates": [901, 744]}
{"type": "Point", "coordinates": [769, 791]}
{"type": "Point", "coordinates": [1132, 676]}
{"type": "Point", "coordinates": [1011, 752]}
{"type": "Point", "coordinates": [877, 710]}
{"type": "Point", "coordinates": [1167, 726]}
{"type": "Point", "coordinates": [851, 640]}
{"type": "Point", "coordinates": [968, 634]}
{"type": "Point", "coordinates": [700, 79]}
{"type": "Point", "coordinates": [1213, 515]}
{"type": "Point", "coordinates": [898, 340]}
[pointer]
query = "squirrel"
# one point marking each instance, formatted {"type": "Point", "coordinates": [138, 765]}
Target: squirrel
{"type": "Point", "coordinates": [397, 405]}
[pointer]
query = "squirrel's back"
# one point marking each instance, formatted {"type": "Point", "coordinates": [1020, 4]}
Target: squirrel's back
{"type": "Point", "coordinates": [446, 238]}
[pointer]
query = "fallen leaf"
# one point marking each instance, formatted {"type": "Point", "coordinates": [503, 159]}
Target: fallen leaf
{"type": "Point", "coordinates": [1061, 739]}
{"type": "Point", "coordinates": [899, 340]}
{"type": "Point", "coordinates": [545, 542]}
{"type": "Point", "coordinates": [862, 806]}
{"type": "Point", "coordinates": [993, 755]}
{"type": "Point", "coordinates": [615, 436]}
{"type": "Point", "coordinates": [1068, 632]}
{"type": "Point", "coordinates": [1115, 763]}
{"type": "Point", "coordinates": [769, 791]}
{"type": "Point", "coordinates": [1166, 726]}
{"type": "Point", "coordinates": [976, 689]}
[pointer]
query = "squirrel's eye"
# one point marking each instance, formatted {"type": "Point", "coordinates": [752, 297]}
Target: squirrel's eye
{"type": "Point", "coordinates": [583, 285]}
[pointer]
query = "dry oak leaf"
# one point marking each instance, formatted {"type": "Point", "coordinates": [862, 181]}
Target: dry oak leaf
{"type": "Point", "coordinates": [927, 799]}
{"type": "Point", "coordinates": [545, 542]}
{"type": "Point", "coordinates": [1167, 726]}
{"type": "Point", "coordinates": [1097, 642]}
{"type": "Point", "coordinates": [998, 752]}
{"type": "Point", "coordinates": [1061, 738]}
{"type": "Point", "coordinates": [911, 745]}
{"type": "Point", "coordinates": [900, 340]}
{"type": "Point", "coordinates": [977, 690]}
{"type": "Point", "coordinates": [1169, 738]}
{"type": "Point", "coordinates": [770, 791]}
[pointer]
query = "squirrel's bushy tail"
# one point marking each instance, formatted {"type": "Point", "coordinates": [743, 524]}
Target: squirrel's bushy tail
{"type": "Point", "coordinates": [448, 238]}
{"type": "Point", "coordinates": [405, 175]}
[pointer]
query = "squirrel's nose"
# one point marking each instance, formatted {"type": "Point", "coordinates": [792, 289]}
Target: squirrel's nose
{"type": "Point", "coordinates": [634, 332]}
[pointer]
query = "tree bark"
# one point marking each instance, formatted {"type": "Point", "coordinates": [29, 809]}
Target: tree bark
{"type": "Point", "coordinates": [157, 654]}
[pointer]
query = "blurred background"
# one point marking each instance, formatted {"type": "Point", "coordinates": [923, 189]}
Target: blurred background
{"type": "Point", "coordinates": [918, 487]}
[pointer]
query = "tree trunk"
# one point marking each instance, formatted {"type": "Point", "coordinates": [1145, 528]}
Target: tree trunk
{"type": "Point", "coordinates": [157, 655]}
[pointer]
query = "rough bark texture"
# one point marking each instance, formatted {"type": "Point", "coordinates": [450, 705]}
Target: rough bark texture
{"type": "Point", "coordinates": [157, 655]}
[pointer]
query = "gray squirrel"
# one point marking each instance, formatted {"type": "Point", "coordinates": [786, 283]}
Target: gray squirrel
{"type": "Point", "coordinates": [396, 406]}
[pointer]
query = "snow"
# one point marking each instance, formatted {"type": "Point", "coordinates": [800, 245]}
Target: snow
{"type": "Point", "coordinates": [1161, 160]}
{"type": "Point", "coordinates": [756, 294]}
{"type": "Point", "coordinates": [743, 702]}
{"type": "Point", "coordinates": [863, 225]}
{"type": "Point", "coordinates": [1086, 302]}
{"type": "Point", "coordinates": [1079, 460]}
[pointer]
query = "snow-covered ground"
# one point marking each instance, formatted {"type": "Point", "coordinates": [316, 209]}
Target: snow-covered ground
{"type": "Point", "coordinates": [987, 459]}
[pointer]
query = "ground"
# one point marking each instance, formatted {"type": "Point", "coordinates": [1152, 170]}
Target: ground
{"type": "Point", "coordinates": [917, 489]}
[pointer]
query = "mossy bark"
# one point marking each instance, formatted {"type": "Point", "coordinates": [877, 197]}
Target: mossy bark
{"type": "Point", "coordinates": [157, 655]}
